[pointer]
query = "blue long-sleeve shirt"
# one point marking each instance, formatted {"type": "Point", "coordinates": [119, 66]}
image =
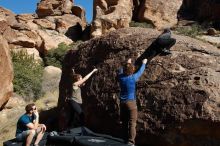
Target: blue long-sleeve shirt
{"type": "Point", "coordinates": [128, 84]}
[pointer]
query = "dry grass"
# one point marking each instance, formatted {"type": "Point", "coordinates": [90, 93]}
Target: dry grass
{"type": "Point", "coordinates": [8, 124]}
{"type": "Point", "coordinates": [48, 101]}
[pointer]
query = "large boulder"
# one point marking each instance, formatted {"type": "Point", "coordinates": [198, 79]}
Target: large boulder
{"type": "Point", "coordinates": [43, 34]}
{"type": "Point", "coordinates": [51, 39]}
{"type": "Point", "coordinates": [7, 15]}
{"type": "Point", "coordinates": [7, 18]}
{"type": "Point", "coordinates": [178, 95]}
{"type": "Point", "coordinates": [66, 23]}
{"type": "Point", "coordinates": [54, 7]}
{"type": "Point", "coordinates": [6, 87]}
{"type": "Point", "coordinates": [51, 78]}
{"type": "Point", "coordinates": [80, 12]}
{"type": "Point", "coordinates": [110, 15]}
{"type": "Point", "coordinates": [160, 13]}
{"type": "Point", "coordinates": [202, 9]}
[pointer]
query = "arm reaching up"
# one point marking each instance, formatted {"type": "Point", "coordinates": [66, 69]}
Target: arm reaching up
{"type": "Point", "coordinates": [144, 61]}
{"type": "Point", "coordinates": [141, 70]}
{"type": "Point", "coordinates": [129, 60]}
{"type": "Point", "coordinates": [81, 81]}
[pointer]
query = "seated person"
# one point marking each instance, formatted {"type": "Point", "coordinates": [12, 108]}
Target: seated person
{"type": "Point", "coordinates": [28, 126]}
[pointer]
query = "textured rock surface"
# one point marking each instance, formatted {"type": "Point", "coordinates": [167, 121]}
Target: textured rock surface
{"type": "Point", "coordinates": [7, 15]}
{"type": "Point", "coordinates": [6, 71]}
{"type": "Point", "coordinates": [202, 9]}
{"type": "Point", "coordinates": [160, 13]}
{"type": "Point", "coordinates": [43, 34]}
{"type": "Point", "coordinates": [178, 95]}
{"type": "Point", "coordinates": [51, 78]}
{"type": "Point", "coordinates": [54, 7]}
{"type": "Point", "coordinates": [80, 12]}
{"type": "Point", "coordinates": [211, 39]}
{"type": "Point", "coordinates": [110, 15]}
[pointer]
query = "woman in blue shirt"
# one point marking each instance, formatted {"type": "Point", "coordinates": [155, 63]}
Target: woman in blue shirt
{"type": "Point", "coordinates": [128, 106]}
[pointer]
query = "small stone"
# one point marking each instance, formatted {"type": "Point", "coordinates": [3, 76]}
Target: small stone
{"type": "Point", "coordinates": [211, 31]}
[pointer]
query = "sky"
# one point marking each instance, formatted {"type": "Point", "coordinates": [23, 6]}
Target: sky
{"type": "Point", "coordinates": [29, 6]}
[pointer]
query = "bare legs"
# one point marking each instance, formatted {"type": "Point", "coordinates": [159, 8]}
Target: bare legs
{"type": "Point", "coordinates": [30, 137]}
{"type": "Point", "coordinates": [39, 132]}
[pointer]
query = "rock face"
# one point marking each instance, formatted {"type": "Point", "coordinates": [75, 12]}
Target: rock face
{"type": "Point", "coordinates": [211, 39]}
{"type": "Point", "coordinates": [79, 11]}
{"type": "Point", "coordinates": [51, 78]}
{"type": "Point", "coordinates": [7, 15]}
{"type": "Point", "coordinates": [45, 33]}
{"type": "Point", "coordinates": [177, 96]}
{"type": "Point", "coordinates": [157, 12]}
{"type": "Point", "coordinates": [6, 71]}
{"type": "Point", "coordinates": [28, 32]}
{"type": "Point", "coordinates": [54, 7]}
{"type": "Point", "coordinates": [110, 15]}
{"type": "Point", "coordinates": [202, 9]}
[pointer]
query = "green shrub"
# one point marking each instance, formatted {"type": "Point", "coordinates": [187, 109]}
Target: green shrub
{"type": "Point", "coordinates": [140, 24]}
{"type": "Point", "coordinates": [27, 75]}
{"type": "Point", "coordinates": [192, 31]}
{"type": "Point", "coordinates": [54, 57]}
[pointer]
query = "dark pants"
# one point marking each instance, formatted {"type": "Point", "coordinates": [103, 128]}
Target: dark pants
{"type": "Point", "coordinates": [156, 48]}
{"type": "Point", "coordinates": [76, 107]}
{"type": "Point", "coordinates": [165, 43]}
{"type": "Point", "coordinates": [128, 115]}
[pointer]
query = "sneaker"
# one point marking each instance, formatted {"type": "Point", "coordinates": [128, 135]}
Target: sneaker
{"type": "Point", "coordinates": [165, 52]}
{"type": "Point", "coordinates": [130, 144]}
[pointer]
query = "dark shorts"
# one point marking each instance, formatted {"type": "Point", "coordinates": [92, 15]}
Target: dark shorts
{"type": "Point", "coordinates": [22, 136]}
